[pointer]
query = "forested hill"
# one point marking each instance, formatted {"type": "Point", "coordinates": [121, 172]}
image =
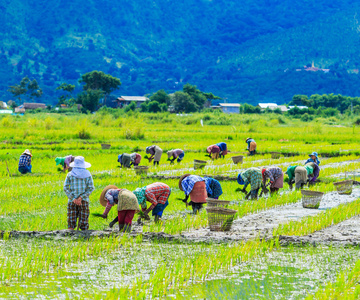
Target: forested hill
{"type": "Point", "coordinates": [245, 50]}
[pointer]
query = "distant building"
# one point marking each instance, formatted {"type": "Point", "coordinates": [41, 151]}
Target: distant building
{"type": "Point", "coordinates": [264, 106]}
{"type": "Point", "coordinates": [6, 111]}
{"type": "Point", "coordinates": [230, 108]}
{"type": "Point", "coordinates": [300, 107]}
{"type": "Point", "coordinates": [29, 106]}
{"type": "Point", "coordinates": [123, 101]}
{"type": "Point", "coordinates": [313, 69]}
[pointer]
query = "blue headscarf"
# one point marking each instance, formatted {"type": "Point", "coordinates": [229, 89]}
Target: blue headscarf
{"type": "Point", "coordinates": [120, 158]}
{"type": "Point", "coordinates": [314, 153]}
{"type": "Point", "coordinates": [240, 180]}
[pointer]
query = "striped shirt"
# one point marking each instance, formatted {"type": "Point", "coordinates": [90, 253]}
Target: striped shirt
{"type": "Point", "coordinates": [272, 173]}
{"type": "Point", "coordinates": [78, 187]}
{"type": "Point", "coordinates": [188, 184]}
{"type": "Point", "coordinates": [156, 193]}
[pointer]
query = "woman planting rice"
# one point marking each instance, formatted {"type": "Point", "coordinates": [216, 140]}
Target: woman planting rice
{"type": "Point", "coordinates": [252, 176]}
{"type": "Point", "coordinates": [213, 188]}
{"type": "Point", "coordinates": [251, 146]}
{"type": "Point", "coordinates": [135, 159]}
{"type": "Point", "coordinates": [213, 151]}
{"type": "Point", "coordinates": [127, 206]}
{"type": "Point", "coordinates": [65, 162]}
{"type": "Point", "coordinates": [78, 186]}
{"type": "Point", "coordinates": [223, 149]}
{"type": "Point", "coordinates": [195, 187]}
{"type": "Point", "coordinates": [298, 175]}
{"type": "Point", "coordinates": [155, 152]}
{"type": "Point", "coordinates": [276, 177]}
{"type": "Point", "coordinates": [313, 172]}
{"type": "Point", "coordinates": [176, 154]}
{"type": "Point", "coordinates": [124, 160]}
{"type": "Point", "coordinates": [25, 162]}
{"type": "Point", "coordinates": [313, 157]}
{"type": "Point", "coordinates": [157, 194]}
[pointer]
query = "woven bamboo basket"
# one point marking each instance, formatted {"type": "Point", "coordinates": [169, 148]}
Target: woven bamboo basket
{"type": "Point", "coordinates": [199, 164]}
{"type": "Point", "coordinates": [141, 170]}
{"type": "Point", "coordinates": [311, 199]}
{"type": "Point", "coordinates": [220, 219]}
{"type": "Point", "coordinates": [237, 159]}
{"type": "Point", "coordinates": [216, 203]}
{"type": "Point", "coordinates": [344, 187]}
{"type": "Point", "coordinates": [105, 146]}
{"type": "Point", "coordinates": [275, 155]}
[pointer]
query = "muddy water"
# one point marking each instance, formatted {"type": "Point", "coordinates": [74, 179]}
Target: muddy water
{"type": "Point", "coordinates": [263, 223]}
{"type": "Point", "coordinates": [289, 273]}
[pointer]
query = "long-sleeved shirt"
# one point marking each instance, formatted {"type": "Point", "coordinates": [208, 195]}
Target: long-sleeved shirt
{"type": "Point", "coordinates": [156, 193]}
{"type": "Point", "coordinates": [252, 176]}
{"type": "Point", "coordinates": [213, 149]}
{"type": "Point", "coordinates": [25, 160]}
{"type": "Point", "coordinates": [112, 197]}
{"type": "Point", "coordinates": [272, 173]}
{"type": "Point", "coordinates": [249, 141]}
{"type": "Point", "coordinates": [151, 150]}
{"type": "Point", "coordinates": [177, 152]}
{"type": "Point", "coordinates": [291, 172]}
{"type": "Point", "coordinates": [78, 187]}
{"type": "Point", "coordinates": [188, 183]}
{"type": "Point", "coordinates": [317, 161]}
{"type": "Point", "coordinates": [135, 158]}
{"type": "Point", "coordinates": [67, 160]}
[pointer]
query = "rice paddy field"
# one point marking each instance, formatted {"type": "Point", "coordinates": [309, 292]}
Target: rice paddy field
{"type": "Point", "coordinates": [276, 249]}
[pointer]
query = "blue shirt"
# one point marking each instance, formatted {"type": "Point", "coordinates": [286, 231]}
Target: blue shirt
{"type": "Point", "coordinates": [25, 160]}
{"type": "Point", "coordinates": [311, 160]}
{"type": "Point", "coordinates": [222, 146]}
{"type": "Point", "coordinates": [188, 184]}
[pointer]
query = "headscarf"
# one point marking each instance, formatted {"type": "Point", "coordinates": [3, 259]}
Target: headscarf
{"type": "Point", "coordinates": [147, 150]}
{"type": "Point", "coordinates": [60, 161]}
{"type": "Point", "coordinates": [120, 158]}
{"type": "Point", "coordinates": [80, 173]}
{"type": "Point", "coordinates": [140, 195]}
{"type": "Point", "coordinates": [263, 170]}
{"type": "Point", "coordinates": [170, 153]}
{"type": "Point", "coordinates": [314, 153]}
{"type": "Point", "coordinates": [240, 180]}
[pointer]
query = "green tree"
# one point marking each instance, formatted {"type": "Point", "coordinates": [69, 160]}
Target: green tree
{"type": "Point", "coordinates": [90, 99]}
{"type": "Point", "coordinates": [161, 97]}
{"type": "Point", "coordinates": [11, 103]}
{"type": "Point", "coordinates": [66, 98]}
{"type": "Point", "coordinates": [27, 87]}
{"type": "Point", "coordinates": [131, 106]}
{"type": "Point", "coordinates": [199, 97]}
{"type": "Point", "coordinates": [183, 102]}
{"type": "Point", "coordinates": [300, 100]}
{"type": "Point", "coordinates": [154, 107]}
{"type": "Point", "coordinates": [98, 80]}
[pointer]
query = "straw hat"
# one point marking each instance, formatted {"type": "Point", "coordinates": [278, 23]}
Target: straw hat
{"type": "Point", "coordinates": [27, 152]}
{"type": "Point", "coordinates": [181, 179]}
{"type": "Point", "coordinates": [79, 162]}
{"type": "Point", "coordinates": [102, 199]}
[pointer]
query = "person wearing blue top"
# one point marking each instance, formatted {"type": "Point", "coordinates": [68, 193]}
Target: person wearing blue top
{"type": "Point", "coordinates": [223, 149]}
{"type": "Point", "coordinates": [313, 158]}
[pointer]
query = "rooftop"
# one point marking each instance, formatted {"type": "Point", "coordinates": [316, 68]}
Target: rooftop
{"type": "Point", "coordinates": [230, 104]}
{"type": "Point", "coordinates": [132, 98]}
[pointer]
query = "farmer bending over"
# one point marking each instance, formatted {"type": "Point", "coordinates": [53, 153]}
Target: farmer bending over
{"type": "Point", "coordinates": [213, 188]}
{"type": "Point", "coordinates": [195, 187]}
{"type": "Point", "coordinates": [124, 160]}
{"type": "Point", "coordinates": [276, 177]}
{"type": "Point", "coordinates": [78, 186]}
{"type": "Point", "coordinates": [213, 151]}
{"type": "Point", "coordinates": [127, 206]}
{"type": "Point", "coordinates": [252, 176]}
{"type": "Point", "coordinates": [298, 175]}
{"type": "Point", "coordinates": [157, 194]}
{"type": "Point", "coordinates": [223, 149]}
{"type": "Point", "coordinates": [25, 162]}
{"type": "Point", "coordinates": [313, 157]}
{"type": "Point", "coordinates": [155, 152]}
{"type": "Point", "coordinates": [313, 172]}
{"type": "Point", "coordinates": [135, 159]}
{"type": "Point", "coordinates": [65, 162]}
{"type": "Point", "coordinates": [251, 146]}
{"type": "Point", "coordinates": [176, 154]}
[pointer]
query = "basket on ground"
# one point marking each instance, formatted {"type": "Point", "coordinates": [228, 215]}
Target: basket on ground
{"type": "Point", "coordinates": [216, 203]}
{"type": "Point", "coordinates": [275, 155]}
{"type": "Point", "coordinates": [105, 146]}
{"type": "Point", "coordinates": [311, 199]}
{"type": "Point", "coordinates": [141, 170]}
{"type": "Point", "coordinates": [237, 159]}
{"type": "Point", "coordinates": [199, 164]}
{"type": "Point", "coordinates": [220, 219]}
{"type": "Point", "coordinates": [344, 187]}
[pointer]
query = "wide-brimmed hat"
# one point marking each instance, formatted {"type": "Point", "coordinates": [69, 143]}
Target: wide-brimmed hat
{"type": "Point", "coordinates": [102, 199]}
{"type": "Point", "coordinates": [79, 162]}
{"type": "Point", "coordinates": [27, 152]}
{"type": "Point", "coordinates": [314, 153]}
{"type": "Point", "coordinates": [181, 179]}
{"type": "Point", "coordinates": [240, 180]}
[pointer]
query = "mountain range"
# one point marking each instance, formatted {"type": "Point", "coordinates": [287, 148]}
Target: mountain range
{"type": "Point", "coordinates": [243, 51]}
